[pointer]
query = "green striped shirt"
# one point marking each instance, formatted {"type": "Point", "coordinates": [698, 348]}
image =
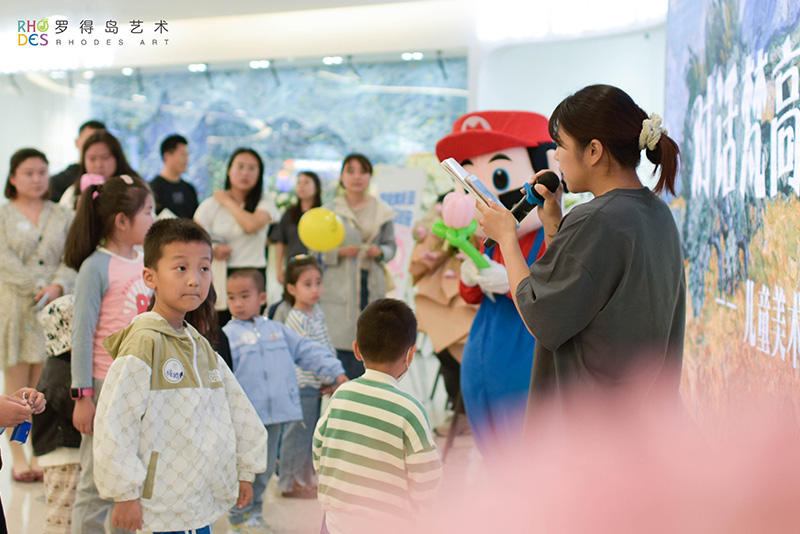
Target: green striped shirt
{"type": "Point", "coordinates": [373, 450]}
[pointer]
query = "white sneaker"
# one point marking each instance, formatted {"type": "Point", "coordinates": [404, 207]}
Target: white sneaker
{"type": "Point", "coordinates": [257, 525]}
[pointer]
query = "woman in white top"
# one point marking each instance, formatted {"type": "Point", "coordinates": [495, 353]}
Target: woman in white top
{"type": "Point", "coordinates": [101, 155]}
{"type": "Point", "coordinates": [237, 217]}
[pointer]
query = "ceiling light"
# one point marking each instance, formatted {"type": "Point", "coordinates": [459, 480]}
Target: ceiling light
{"type": "Point", "coordinates": [411, 56]}
{"type": "Point", "coordinates": [333, 60]}
{"type": "Point", "coordinates": [127, 71]}
{"type": "Point", "coordinates": [259, 64]}
{"type": "Point", "coordinates": [88, 74]}
{"type": "Point", "coordinates": [198, 67]}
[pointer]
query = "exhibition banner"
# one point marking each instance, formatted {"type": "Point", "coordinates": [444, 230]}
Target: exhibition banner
{"type": "Point", "coordinates": [733, 105]}
{"type": "Point", "coordinates": [401, 188]}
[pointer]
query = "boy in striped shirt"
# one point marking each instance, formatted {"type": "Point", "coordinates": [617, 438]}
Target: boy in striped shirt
{"type": "Point", "coordinates": [373, 450]}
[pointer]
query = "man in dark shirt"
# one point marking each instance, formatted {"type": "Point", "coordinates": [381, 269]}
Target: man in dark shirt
{"type": "Point", "coordinates": [170, 191]}
{"type": "Point", "coordinates": [65, 179]}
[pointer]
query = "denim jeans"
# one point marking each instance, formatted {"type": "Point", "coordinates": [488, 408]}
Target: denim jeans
{"type": "Point", "coordinates": [297, 465]}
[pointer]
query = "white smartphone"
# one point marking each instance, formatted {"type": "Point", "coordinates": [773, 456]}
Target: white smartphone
{"type": "Point", "coordinates": [469, 182]}
{"type": "Point", "coordinates": [42, 301]}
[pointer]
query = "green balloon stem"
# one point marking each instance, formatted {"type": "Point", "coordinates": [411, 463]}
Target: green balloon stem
{"type": "Point", "coordinates": [459, 238]}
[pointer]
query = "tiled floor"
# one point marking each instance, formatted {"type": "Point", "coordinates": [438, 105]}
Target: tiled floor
{"type": "Point", "coordinates": [24, 503]}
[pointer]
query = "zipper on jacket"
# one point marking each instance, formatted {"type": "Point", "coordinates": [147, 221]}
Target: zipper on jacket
{"type": "Point", "coordinates": [194, 358]}
{"type": "Point", "coordinates": [261, 351]}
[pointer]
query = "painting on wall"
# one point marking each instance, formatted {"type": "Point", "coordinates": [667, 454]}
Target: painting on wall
{"type": "Point", "coordinates": [733, 105]}
{"type": "Point", "coordinates": [296, 118]}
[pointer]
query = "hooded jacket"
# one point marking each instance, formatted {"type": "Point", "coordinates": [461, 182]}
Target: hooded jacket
{"type": "Point", "coordinates": [264, 354]}
{"type": "Point", "coordinates": [173, 427]}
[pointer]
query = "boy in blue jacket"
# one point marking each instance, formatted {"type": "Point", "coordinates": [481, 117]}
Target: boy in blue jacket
{"type": "Point", "coordinates": [264, 354]}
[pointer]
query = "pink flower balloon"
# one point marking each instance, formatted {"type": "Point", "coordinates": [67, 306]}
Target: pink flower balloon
{"type": "Point", "coordinates": [458, 209]}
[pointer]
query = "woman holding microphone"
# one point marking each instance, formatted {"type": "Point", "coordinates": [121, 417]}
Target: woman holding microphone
{"type": "Point", "coordinates": [607, 300]}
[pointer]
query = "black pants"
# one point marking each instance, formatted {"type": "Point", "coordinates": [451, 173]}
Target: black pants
{"type": "Point", "coordinates": [352, 367]}
{"type": "Point", "coordinates": [451, 373]}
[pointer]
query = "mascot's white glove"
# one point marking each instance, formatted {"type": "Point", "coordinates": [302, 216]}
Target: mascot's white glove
{"type": "Point", "coordinates": [494, 279]}
{"type": "Point", "coordinates": [469, 273]}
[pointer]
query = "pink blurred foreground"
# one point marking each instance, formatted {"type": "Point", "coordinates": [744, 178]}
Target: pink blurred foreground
{"type": "Point", "coordinates": [600, 466]}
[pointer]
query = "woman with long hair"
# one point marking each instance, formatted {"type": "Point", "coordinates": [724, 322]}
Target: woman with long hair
{"type": "Point", "coordinates": [284, 234]}
{"type": "Point", "coordinates": [237, 217]}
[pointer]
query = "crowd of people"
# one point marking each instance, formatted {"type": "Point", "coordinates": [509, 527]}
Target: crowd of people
{"type": "Point", "coordinates": [139, 314]}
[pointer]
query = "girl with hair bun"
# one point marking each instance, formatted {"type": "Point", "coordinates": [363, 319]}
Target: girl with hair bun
{"type": "Point", "coordinates": [606, 302]}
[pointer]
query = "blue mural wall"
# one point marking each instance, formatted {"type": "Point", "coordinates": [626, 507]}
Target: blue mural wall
{"type": "Point", "coordinates": [384, 110]}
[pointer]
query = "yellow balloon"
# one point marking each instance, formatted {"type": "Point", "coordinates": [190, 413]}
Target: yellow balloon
{"type": "Point", "coordinates": [320, 229]}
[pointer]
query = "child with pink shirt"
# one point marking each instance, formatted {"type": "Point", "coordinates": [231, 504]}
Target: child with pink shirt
{"type": "Point", "coordinates": [111, 221]}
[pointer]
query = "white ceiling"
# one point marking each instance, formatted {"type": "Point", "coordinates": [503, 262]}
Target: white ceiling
{"type": "Point", "coordinates": [168, 10]}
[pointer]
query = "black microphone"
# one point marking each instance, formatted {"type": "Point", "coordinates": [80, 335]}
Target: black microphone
{"type": "Point", "coordinates": [532, 198]}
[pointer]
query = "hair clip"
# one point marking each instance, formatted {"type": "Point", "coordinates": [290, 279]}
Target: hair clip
{"type": "Point", "coordinates": [94, 195]}
{"type": "Point", "coordinates": [299, 257]}
{"type": "Point", "coordinates": [127, 179]}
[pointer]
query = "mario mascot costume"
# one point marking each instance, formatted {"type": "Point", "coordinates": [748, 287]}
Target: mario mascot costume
{"type": "Point", "coordinates": [504, 149]}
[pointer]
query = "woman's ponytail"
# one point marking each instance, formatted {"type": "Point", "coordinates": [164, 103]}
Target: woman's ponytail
{"type": "Point", "coordinates": [666, 155]}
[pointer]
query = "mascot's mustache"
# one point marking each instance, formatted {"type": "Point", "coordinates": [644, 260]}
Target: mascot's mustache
{"type": "Point", "coordinates": [510, 197]}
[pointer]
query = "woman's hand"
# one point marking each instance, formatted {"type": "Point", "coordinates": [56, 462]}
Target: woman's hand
{"type": "Point", "coordinates": [497, 222]}
{"type": "Point", "coordinates": [83, 415]}
{"type": "Point", "coordinates": [34, 399]}
{"type": "Point", "coordinates": [349, 251]}
{"type": "Point", "coordinates": [222, 252]}
{"type": "Point", "coordinates": [13, 411]}
{"type": "Point", "coordinates": [550, 214]}
{"type": "Point", "coordinates": [374, 251]}
{"type": "Point", "coordinates": [53, 291]}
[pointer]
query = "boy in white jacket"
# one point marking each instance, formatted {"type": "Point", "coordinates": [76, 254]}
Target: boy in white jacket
{"type": "Point", "coordinates": [177, 442]}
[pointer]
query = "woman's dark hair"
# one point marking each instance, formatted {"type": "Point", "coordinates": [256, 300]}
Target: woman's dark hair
{"type": "Point", "coordinates": [366, 164]}
{"type": "Point", "coordinates": [98, 207]}
{"type": "Point", "coordinates": [296, 211]}
{"type": "Point", "coordinates": [105, 137]}
{"type": "Point", "coordinates": [16, 160]}
{"type": "Point", "coordinates": [254, 196]}
{"type": "Point", "coordinates": [610, 115]}
{"type": "Point", "coordinates": [294, 268]}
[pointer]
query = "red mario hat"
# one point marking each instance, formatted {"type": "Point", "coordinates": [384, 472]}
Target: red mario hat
{"type": "Point", "coordinates": [482, 132]}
